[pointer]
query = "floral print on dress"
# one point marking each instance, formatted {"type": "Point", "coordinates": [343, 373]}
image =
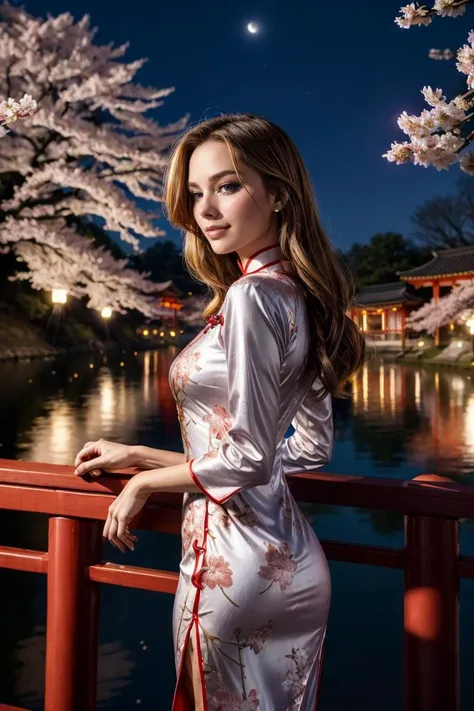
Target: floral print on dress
{"type": "Point", "coordinates": [243, 513]}
{"type": "Point", "coordinates": [184, 368]}
{"type": "Point", "coordinates": [218, 515]}
{"type": "Point", "coordinates": [231, 701]}
{"type": "Point", "coordinates": [294, 683]}
{"type": "Point", "coordinates": [192, 523]}
{"type": "Point", "coordinates": [220, 423]}
{"type": "Point", "coordinates": [281, 566]}
{"type": "Point", "coordinates": [257, 638]}
{"type": "Point", "coordinates": [180, 377]}
{"type": "Point", "coordinates": [217, 573]}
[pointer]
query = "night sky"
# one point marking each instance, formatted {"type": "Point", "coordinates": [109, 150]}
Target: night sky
{"type": "Point", "coordinates": [334, 75]}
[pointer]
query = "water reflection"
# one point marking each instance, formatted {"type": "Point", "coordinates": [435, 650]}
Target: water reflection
{"type": "Point", "coordinates": [57, 407]}
{"type": "Point", "coordinates": [424, 417]}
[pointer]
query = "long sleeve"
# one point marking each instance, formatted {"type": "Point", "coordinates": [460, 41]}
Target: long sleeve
{"type": "Point", "coordinates": [255, 337]}
{"type": "Point", "coordinates": [310, 446]}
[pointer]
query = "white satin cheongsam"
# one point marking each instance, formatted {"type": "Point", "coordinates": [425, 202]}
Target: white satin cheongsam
{"type": "Point", "coordinates": [254, 585]}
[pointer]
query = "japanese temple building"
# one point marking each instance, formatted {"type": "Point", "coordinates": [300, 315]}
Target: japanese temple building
{"type": "Point", "coordinates": [382, 309]}
{"type": "Point", "coordinates": [170, 302]}
{"type": "Point", "coordinates": [447, 268]}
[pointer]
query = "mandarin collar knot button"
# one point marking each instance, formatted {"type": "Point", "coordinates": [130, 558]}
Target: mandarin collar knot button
{"type": "Point", "coordinates": [213, 321]}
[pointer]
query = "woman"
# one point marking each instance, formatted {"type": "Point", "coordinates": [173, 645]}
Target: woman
{"type": "Point", "coordinates": [253, 597]}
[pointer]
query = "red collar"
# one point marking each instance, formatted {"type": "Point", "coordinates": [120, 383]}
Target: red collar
{"type": "Point", "coordinates": [266, 258]}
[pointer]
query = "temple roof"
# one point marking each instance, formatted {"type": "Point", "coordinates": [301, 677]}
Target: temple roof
{"type": "Point", "coordinates": [446, 262]}
{"type": "Point", "coordinates": [384, 294]}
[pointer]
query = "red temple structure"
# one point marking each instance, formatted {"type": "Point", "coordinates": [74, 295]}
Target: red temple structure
{"type": "Point", "coordinates": [381, 312]}
{"type": "Point", "coordinates": [447, 268]}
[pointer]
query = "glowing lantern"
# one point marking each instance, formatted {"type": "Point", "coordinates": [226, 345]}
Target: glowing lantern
{"type": "Point", "coordinates": [59, 296]}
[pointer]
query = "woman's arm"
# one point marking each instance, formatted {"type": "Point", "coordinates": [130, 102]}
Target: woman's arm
{"type": "Point", "coordinates": [170, 478]}
{"type": "Point", "coordinates": [150, 458]}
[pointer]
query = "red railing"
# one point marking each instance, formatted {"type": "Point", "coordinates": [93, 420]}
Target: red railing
{"type": "Point", "coordinates": [430, 560]}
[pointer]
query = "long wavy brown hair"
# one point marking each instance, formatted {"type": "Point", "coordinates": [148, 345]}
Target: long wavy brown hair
{"type": "Point", "coordinates": [337, 347]}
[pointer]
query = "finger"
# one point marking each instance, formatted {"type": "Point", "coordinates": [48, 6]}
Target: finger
{"type": "Point", "coordinates": [85, 467]}
{"type": "Point", "coordinates": [105, 532]}
{"type": "Point", "coordinates": [122, 534]}
{"type": "Point", "coordinates": [130, 535]}
{"type": "Point", "coordinates": [88, 451]}
{"type": "Point", "coordinates": [112, 532]}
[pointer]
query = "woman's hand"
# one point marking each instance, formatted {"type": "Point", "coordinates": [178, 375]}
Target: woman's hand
{"type": "Point", "coordinates": [95, 456]}
{"type": "Point", "coordinates": [128, 503]}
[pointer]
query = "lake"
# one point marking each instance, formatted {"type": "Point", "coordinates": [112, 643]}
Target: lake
{"type": "Point", "coordinates": [402, 420]}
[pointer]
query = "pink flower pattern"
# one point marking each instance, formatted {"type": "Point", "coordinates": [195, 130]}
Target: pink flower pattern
{"type": "Point", "coordinates": [281, 566]}
{"type": "Point", "coordinates": [192, 523]}
{"type": "Point", "coordinates": [217, 572]}
{"type": "Point", "coordinates": [230, 701]}
{"type": "Point", "coordinates": [220, 423]}
{"type": "Point", "coordinates": [184, 368]}
{"type": "Point", "coordinates": [243, 513]}
{"type": "Point", "coordinates": [219, 515]}
{"type": "Point", "coordinates": [296, 678]}
{"type": "Point", "coordinates": [257, 638]}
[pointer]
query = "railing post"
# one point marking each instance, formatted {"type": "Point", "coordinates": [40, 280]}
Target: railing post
{"type": "Point", "coordinates": [72, 615]}
{"type": "Point", "coordinates": [431, 613]}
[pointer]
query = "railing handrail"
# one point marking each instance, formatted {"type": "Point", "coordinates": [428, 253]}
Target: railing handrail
{"type": "Point", "coordinates": [405, 496]}
{"type": "Point", "coordinates": [430, 561]}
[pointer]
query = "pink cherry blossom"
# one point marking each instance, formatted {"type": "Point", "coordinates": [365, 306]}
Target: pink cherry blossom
{"type": "Point", "coordinates": [257, 638]}
{"type": "Point", "coordinates": [281, 565]}
{"type": "Point", "coordinates": [217, 572]}
{"type": "Point", "coordinates": [439, 135]}
{"type": "Point", "coordinates": [219, 421]}
{"type": "Point", "coordinates": [232, 701]}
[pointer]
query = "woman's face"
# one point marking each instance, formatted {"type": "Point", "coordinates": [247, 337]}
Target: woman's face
{"type": "Point", "coordinates": [243, 208]}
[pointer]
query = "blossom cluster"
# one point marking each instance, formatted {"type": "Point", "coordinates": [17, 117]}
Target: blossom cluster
{"type": "Point", "coordinates": [455, 307]}
{"type": "Point", "coordinates": [439, 134]}
{"type": "Point", "coordinates": [11, 110]}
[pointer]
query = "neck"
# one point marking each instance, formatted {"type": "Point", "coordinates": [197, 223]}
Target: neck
{"type": "Point", "coordinates": [268, 258]}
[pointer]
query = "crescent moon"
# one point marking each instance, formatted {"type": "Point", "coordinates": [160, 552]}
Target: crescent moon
{"type": "Point", "coordinates": [252, 27]}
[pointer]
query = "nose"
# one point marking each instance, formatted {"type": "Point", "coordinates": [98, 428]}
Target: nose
{"type": "Point", "coordinates": [207, 208]}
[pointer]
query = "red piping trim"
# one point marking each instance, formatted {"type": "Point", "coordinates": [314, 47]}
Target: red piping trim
{"type": "Point", "coordinates": [201, 667]}
{"type": "Point", "coordinates": [320, 671]}
{"type": "Point", "coordinates": [204, 491]}
{"type": "Point", "coordinates": [260, 251]}
{"type": "Point", "coordinates": [264, 266]}
{"type": "Point", "coordinates": [179, 697]}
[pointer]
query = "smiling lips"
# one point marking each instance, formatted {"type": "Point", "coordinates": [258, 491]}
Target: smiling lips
{"type": "Point", "coordinates": [214, 228]}
{"type": "Point", "coordinates": [216, 231]}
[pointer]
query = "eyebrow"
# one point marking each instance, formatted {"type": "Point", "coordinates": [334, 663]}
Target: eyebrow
{"type": "Point", "coordinates": [214, 177]}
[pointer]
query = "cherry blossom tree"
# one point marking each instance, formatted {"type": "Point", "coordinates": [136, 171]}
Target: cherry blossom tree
{"type": "Point", "coordinates": [457, 307]}
{"type": "Point", "coordinates": [439, 136]}
{"type": "Point", "coordinates": [83, 150]}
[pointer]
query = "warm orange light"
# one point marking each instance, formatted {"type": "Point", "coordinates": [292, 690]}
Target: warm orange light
{"type": "Point", "coordinates": [146, 332]}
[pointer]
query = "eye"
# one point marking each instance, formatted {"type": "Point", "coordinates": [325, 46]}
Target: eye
{"type": "Point", "coordinates": [230, 185]}
{"type": "Point", "coordinates": [233, 187]}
